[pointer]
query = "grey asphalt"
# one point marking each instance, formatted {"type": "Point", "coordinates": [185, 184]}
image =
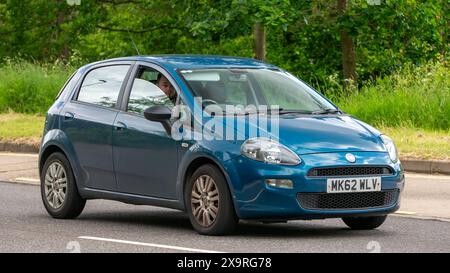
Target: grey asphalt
{"type": "Point", "coordinates": [14, 166]}
{"type": "Point", "coordinates": [425, 196]}
{"type": "Point", "coordinates": [26, 227]}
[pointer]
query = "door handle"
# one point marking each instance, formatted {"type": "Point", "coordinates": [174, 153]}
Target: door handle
{"type": "Point", "coordinates": [120, 126]}
{"type": "Point", "coordinates": [68, 116]}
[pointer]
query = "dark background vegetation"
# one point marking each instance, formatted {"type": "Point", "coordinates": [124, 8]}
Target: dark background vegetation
{"type": "Point", "coordinates": [383, 60]}
{"type": "Point", "coordinates": [303, 37]}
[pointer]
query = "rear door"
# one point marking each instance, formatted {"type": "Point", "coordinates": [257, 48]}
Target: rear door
{"type": "Point", "coordinates": [87, 120]}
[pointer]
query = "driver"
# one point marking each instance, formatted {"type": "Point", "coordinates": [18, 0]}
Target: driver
{"type": "Point", "coordinates": [163, 83]}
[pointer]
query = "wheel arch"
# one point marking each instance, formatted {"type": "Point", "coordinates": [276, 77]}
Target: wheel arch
{"type": "Point", "coordinates": [51, 148]}
{"type": "Point", "coordinates": [193, 165]}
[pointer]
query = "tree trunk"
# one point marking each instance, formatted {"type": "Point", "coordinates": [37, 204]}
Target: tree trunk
{"type": "Point", "coordinates": [260, 42]}
{"type": "Point", "coordinates": [348, 49]}
{"type": "Point", "coordinates": [64, 51]}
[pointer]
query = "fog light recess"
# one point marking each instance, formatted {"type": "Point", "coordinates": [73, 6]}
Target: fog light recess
{"type": "Point", "coordinates": [280, 183]}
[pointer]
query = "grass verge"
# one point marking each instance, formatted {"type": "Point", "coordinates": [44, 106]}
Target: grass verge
{"type": "Point", "coordinates": [412, 143]}
{"type": "Point", "coordinates": [21, 128]}
{"type": "Point", "coordinates": [30, 88]}
{"type": "Point", "coordinates": [415, 97]}
{"type": "Point", "coordinates": [419, 143]}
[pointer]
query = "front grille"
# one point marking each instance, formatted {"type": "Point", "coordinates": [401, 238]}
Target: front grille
{"type": "Point", "coordinates": [350, 171]}
{"type": "Point", "coordinates": [353, 200]}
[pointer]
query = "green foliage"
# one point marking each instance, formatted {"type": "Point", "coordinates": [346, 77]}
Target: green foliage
{"type": "Point", "coordinates": [303, 37]}
{"type": "Point", "coordinates": [30, 88]}
{"type": "Point", "coordinates": [43, 30]}
{"type": "Point", "coordinates": [398, 32]}
{"type": "Point", "coordinates": [415, 97]}
{"type": "Point", "coordinates": [386, 37]}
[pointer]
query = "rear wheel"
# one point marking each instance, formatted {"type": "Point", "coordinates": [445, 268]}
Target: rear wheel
{"type": "Point", "coordinates": [58, 188]}
{"type": "Point", "coordinates": [209, 203]}
{"type": "Point", "coordinates": [360, 223]}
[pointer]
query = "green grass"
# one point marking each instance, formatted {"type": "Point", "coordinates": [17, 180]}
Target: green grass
{"type": "Point", "coordinates": [412, 143]}
{"type": "Point", "coordinates": [420, 143]}
{"type": "Point", "coordinates": [30, 88]}
{"type": "Point", "coordinates": [412, 105]}
{"type": "Point", "coordinates": [21, 128]}
{"type": "Point", "coordinates": [416, 97]}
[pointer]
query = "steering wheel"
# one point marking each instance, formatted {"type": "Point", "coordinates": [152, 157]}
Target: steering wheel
{"type": "Point", "coordinates": [208, 102]}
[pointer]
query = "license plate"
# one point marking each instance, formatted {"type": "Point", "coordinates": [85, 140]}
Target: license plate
{"type": "Point", "coordinates": [359, 184]}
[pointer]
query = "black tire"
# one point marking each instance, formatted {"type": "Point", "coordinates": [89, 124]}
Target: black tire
{"type": "Point", "coordinates": [226, 220]}
{"type": "Point", "coordinates": [73, 204]}
{"type": "Point", "coordinates": [361, 223]}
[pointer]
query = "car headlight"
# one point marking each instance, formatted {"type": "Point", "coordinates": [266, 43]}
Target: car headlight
{"type": "Point", "coordinates": [269, 151]}
{"type": "Point", "coordinates": [390, 147]}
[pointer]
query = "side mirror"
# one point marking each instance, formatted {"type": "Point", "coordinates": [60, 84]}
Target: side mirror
{"type": "Point", "coordinates": [157, 113]}
{"type": "Point", "coordinates": [160, 114]}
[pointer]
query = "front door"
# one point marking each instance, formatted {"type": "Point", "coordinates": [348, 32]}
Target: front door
{"type": "Point", "coordinates": [145, 155]}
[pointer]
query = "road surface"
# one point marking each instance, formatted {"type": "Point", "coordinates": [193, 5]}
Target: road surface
{"type": "Point", "coordinates": [422, 225]}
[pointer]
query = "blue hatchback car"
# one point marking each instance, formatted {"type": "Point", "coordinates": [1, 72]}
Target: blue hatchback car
{"type": "Point", "coordinates": [221, 138]}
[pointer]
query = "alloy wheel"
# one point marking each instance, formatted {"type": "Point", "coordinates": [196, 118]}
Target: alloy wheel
{"type": "Point", "coordinates": [205, 200]}
{"type": "Point", "coordinates": [55, 185]}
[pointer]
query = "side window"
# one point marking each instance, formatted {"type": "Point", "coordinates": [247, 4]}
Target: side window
{"type": "Point", "coordinates": [101, 86]}
{"type": "Point", "coordinates": [70, 84]}
{"type": "Point", "coordinates": [150, 88]}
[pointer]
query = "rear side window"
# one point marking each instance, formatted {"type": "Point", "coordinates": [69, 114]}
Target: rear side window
{"type": "Point", "coordinates": [70, 84]}
{"type": "Point", "coordinates": [101, 86]}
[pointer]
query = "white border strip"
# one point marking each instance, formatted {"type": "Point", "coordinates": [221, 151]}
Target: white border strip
{"type": "Point", "coordinates": [147, 244]}
{"type": "Point", "coordinates": [26, 179]}
{"type": "Point", "coordinates": [403, 212]}
{"type": "Point", "coordinates": [428, 176]}
{"type": "Point", "coordinates": [18, 154]}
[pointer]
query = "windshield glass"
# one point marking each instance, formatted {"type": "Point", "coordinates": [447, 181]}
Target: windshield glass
{"type": "Point", "coordinates": [254, 87]}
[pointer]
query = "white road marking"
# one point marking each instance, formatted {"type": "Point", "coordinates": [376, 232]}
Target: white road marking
{"type": "Point", "coordinates": [423, 217]}
{"type": "Point", "coordinates": [428, 176]}
{"type": "Point", "coordinates": [147, 244]}
{"type": "Point", "coordinates": [26, 179]}
{"type": "Point", "coordinates": [19, 154]}
{"type": "Point", "coordinates": [405, 212]}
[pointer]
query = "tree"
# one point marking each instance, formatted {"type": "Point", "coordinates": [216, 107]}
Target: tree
{"type": "Point", "coordinates": [348, 48]}
{"type": "Point", "coordinates": [322, 41]}
{"type": "Point", "coordinates": [260, 42]}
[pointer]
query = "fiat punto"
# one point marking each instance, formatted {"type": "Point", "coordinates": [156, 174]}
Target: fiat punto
{"type": "Point", "coordinates": [221, 138]}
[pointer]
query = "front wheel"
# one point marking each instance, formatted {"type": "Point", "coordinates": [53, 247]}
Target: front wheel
{"type": "Point", "coordinates": [58, 188]}
{"type": "Point", "coordinates": [209, 203]}
{"type": "Point", "coordinates": [360, 223]}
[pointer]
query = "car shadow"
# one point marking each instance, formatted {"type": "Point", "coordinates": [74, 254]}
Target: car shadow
{"type": "Point", "coordinates": [179, 222]}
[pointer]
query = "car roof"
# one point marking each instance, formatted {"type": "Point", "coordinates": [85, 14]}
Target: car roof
{"type": "Point", "coordinates": [195, 61]}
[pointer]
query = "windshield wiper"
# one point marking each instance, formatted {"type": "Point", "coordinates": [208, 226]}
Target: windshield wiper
{"type": "Point", "coordinates": [288, 111]}
{"type": "Point", "coordinates": [327, 111]}
{"type": "Point", "coordinates": [266, 111]}
{"type": "Point", "coordinates": [282, 111]}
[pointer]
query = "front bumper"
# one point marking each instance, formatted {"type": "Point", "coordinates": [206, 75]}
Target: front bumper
{"type": "Point", "coordinates": [254, 199]}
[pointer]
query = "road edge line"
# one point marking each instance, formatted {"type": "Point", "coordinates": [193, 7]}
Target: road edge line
{"type": "Point", "coordinates": [147, 244]}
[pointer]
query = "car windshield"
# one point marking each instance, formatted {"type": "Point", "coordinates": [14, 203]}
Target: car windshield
{"type": "Point", "coordinates": [254, 89]}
